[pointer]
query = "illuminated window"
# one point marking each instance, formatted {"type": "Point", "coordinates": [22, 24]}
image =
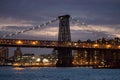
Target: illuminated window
{"type": "Point", "coordinates": [38, 60]}
{"type": "Point", "coordinates": [45, 60]}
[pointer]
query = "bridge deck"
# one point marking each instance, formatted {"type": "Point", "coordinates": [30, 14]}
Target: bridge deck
{"type": "Point", "coordinates": [55, 44]}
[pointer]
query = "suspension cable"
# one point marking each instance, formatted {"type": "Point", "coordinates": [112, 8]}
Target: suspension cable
{"type": "Point", "coordinates": [90, 29]}
{"type": "Point", "coordinates": [29, 29]}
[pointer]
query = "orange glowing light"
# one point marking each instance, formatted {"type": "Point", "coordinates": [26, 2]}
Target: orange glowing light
{"type": "Point", "coordinates": [19, 42]}
{"type": "Point", "coordinates": [95, 45]}
{"type": "Point", "coordinates": [119, 46]}
{"type": "Point", "coordinates": [108, 46]}
{"type": "Point", "coordinates": [34, 42]}
{"type": "Point", "coordinates": [18, 68]}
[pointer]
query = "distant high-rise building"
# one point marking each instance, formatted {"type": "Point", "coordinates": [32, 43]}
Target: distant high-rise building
{"type": "Point", "coordinates": [3, 55]}
{"type": "Point", "coordinates": [4, 52]}
{"type": "Point", "coordinates": [17, 53]}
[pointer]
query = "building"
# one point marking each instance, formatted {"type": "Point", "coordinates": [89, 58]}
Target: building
{"type": "Point", "coordinates": [17, 53]}
{"type": "Point", "coordinates": [30, 60]}
{"type": "Point", "coordinates": [4, 55]}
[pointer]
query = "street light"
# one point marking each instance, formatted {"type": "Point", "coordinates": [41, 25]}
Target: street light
{"type": "Point", "coordinates": [19, 42]}
{"type": "Point", "coordinates": [34, 42]}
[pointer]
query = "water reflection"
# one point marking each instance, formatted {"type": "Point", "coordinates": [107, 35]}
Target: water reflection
{"type": "Point", "coordinates": [18, 68]}
{"type": "Point", "coordinates": [45, 73]}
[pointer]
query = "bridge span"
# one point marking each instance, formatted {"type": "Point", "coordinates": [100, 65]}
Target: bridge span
{"type": "Point", "coordinates": [64, 45]}
{"type": "Point", "coordinates": [56, 44]}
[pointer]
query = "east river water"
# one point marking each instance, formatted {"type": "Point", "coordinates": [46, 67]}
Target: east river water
{"type": "Point", "coordinates": [53, 73]}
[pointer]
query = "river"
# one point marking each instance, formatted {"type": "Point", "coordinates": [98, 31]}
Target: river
{"type": "Point", "coordinates": [53, 73]}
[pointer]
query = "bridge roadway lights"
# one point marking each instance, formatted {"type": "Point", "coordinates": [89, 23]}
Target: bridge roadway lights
{"type": "Point", "coordinates": [64, 54]}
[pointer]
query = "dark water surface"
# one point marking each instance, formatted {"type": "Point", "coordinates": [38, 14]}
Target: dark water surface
{"type": "Point", "coordinates": [53, 73]}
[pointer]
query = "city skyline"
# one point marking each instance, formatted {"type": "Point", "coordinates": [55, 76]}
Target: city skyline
{"type": "Point", "coordinates": [100, 15]}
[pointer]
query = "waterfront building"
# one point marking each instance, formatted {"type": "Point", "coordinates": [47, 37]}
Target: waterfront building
{"type": "Point", "coordinates": [39, 60]}
{"type": "Point", "coordinates": [17, 53]}
{"type": "Point", "coordinates": [4, 55]}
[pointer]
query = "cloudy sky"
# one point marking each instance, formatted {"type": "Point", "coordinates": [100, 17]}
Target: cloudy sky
{"type": "Point", "coordinates": [92, 18]}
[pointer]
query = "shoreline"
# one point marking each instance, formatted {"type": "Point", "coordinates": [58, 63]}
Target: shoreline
{"type": "Point", "coordinates": [93, 67]}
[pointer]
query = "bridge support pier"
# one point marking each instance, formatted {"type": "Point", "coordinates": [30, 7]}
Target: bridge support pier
{"type": "Point", "coordinates": [64, 57]}
{"type": "Point", "coordinates": [64, 54]}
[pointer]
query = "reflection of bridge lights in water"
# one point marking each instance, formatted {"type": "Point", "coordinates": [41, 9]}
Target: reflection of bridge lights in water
{"type": "Point", "coordinates": [18, 68]}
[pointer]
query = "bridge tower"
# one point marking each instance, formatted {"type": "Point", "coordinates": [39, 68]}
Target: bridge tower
{"type": "Point", "coordinates": [64, 54]}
